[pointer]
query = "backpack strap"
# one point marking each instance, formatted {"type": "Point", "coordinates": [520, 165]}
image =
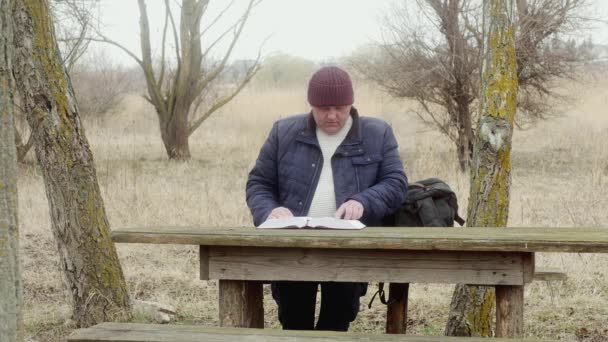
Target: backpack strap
{"type": "Point", "coordinates": [454, 205]}
{"type": "Point", "coordinates": [382, 295]}
{"type": "Point", "coordinates": [459, 219]}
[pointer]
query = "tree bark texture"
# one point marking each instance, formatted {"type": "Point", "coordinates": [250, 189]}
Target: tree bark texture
{"type": "Point", "coordinates": [471, 311]}
{"type": "Point", "coordinates": [22, 148]}
{"type": "Point", "coordinates": [174, 134]}
{"type": "Point", "coordinates": [472, 307]}
{"type": "Point", "coordinates": [89, 261]}
{"type": "Point", "coordinates": [10, 270]}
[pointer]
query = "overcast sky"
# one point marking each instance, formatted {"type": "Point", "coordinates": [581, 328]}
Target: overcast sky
{"type": "Point", "coordinates": [313, 29]}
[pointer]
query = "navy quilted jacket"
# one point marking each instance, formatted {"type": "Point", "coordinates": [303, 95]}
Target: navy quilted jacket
{"type": "Point", "coordinates": [366, 167]}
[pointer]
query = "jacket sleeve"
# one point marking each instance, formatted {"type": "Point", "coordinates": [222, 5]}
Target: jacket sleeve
{"type": "Point", "coordinates": [262, 183]}
{"type": "Point", "coordinates": [388, 194]}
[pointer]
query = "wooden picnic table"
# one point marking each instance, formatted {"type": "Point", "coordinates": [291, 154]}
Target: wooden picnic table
{"type": "Point", "coordinates": [243, 258]}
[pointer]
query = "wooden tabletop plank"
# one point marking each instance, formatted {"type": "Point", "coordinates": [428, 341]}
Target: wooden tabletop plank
{"type": "Point", "coordinates": [134, 332]}
{"type": "Point", "coordinates": [579, 240]}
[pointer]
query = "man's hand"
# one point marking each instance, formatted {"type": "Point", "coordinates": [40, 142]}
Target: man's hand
{"type": "Point", "coordinates": [350, 210]}
{"type": "Point", "coordinates": [279, 212]}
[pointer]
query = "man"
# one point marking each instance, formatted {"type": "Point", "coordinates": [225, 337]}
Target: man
{"type": "Point", "coordinates": [329, 162]}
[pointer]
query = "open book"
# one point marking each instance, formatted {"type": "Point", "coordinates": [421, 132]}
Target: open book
{"type": "Point", "coordinates": [311, 222]}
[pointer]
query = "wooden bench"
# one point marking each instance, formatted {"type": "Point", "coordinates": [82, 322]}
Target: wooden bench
{"type": "Point", "coordinates": [396, 315]}
{"type": "Point", "coordinates": [134, 332]}
{"type": "Point", "coordinates": [243, 258]}
{"type": "Point", "coordinates": [549, 274]}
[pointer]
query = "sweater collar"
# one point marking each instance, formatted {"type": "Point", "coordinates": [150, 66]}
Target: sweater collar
{"type": "Point", "coordinates": [339, 135]}
{"type": "Point", "coordinates": [353, 136]}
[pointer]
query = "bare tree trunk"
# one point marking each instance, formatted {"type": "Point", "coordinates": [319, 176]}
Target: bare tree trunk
{"type": "Point", "coordinates": [174, 134]}
{"type": "Point", "coordinates": [526, 44]}
{"type": "Point", "coordinates": [471, 311]}
{"type": "Point", "coordinates": [90, 264]}
{"type": "Point", "coordinates": [459, 98]}
{"type": "Point", "coordinates": [472, 307]}
{"type": "Point", "coordinates": [173, 110]}
{"type": "Point", "coordinates": [10, 269]}
{"type": "Point", "coordinates": [456, 44]}
{"type": "Point", "coordinates": [465, 136]}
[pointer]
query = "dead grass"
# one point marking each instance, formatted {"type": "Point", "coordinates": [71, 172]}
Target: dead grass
{"type": "Point", "coordinates": [560, 175]}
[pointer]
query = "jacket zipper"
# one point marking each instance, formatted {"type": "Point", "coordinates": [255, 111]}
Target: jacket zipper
{"type": "Point", "coordinates": [314, 185]}
{"type": "Point", "coordinates": [357, 178]}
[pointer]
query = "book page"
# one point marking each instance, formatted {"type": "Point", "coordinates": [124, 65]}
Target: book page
{"type": "Point", "coordinates": [291, 222]}
{"type": "Point", "coordinates": [311, 222]}
{"type": "Point", "coordinates": [334, 223]}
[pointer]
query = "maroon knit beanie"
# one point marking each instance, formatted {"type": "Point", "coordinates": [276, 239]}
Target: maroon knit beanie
{"type": "Point", "coordinates": [330, 86]}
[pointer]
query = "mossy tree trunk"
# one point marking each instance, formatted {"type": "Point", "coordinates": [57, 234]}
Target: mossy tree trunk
{"type": "Point", "coordinates": [472, 308]}
{"type": "Point", "coordinates": [90, 264]}
{"type": "Point", "coordinates": [10, 275]}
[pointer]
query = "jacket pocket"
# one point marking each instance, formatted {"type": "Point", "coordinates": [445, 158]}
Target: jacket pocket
{"type": "Point", "coordinates": [366, 170]}
{"type": "Point", "coordinates": [367, 159]}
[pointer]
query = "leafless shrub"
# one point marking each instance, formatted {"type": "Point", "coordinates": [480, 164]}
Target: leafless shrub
{"type": "Point", "coordinates": [100, 84]}
{"type": "Point", "coordinates": [72, 20]}
{"type": "Point", "coordinates": [283, 70]}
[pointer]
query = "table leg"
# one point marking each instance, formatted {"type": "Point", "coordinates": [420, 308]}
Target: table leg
{"type": "Point", "coordinates": [396, 314]}
{"type": "Point", "coordinates": [509, 310]}
{"type": "Point", "coordinates": [241, 304]}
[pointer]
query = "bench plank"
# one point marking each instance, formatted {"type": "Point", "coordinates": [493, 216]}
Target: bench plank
{"type": "Point", "coordinates": [136, 332]}
{"type": "Point", "coordinates": [396, 313]}
{"type": "Point", "coordinates": [577, 240]}
{"type": "Point", "coordinates": [478, 268]}
{"type": "Point", "coordinates": [549, 274]}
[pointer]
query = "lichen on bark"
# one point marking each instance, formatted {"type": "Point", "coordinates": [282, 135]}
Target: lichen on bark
{"type": "Point", "coordinates": [472, 308]}
{"type": "Point", "coordinates": [92, 271]}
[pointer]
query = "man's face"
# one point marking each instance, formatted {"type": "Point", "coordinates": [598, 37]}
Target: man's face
{"type": "Point", "coordinates": [331, 119]}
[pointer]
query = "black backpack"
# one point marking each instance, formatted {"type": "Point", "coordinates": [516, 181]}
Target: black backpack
{"type": "Point", "coordinates": [429, 203]}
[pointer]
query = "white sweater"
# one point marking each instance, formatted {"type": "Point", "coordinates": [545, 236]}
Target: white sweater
{"type": "Point", "coordinates": [324, 199]}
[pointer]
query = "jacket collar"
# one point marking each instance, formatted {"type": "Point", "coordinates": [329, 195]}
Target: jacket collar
{"type": "Point", "coordinates": [353, 137]}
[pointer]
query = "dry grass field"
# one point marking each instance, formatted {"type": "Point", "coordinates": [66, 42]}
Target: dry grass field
{"type": "Point", "coordinates": [560, 179]}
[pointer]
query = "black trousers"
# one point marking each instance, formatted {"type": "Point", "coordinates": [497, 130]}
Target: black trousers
{"type": "Point", "coordinates": [296, 301]}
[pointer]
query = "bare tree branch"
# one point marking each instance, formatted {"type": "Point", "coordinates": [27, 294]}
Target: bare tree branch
{"type": "Point", "coordinates": [163, 44]}
{"type": "Point", "coordinates": [214, 73]}
{"type": "Point", "coordinates": [175, 37]}
{"type": "Point", "coordinates": [154, 88]}
{"type": "Point", "coordinates": [104, 39]}
{"type": "Point", "coordinates": [443, 69]}
{"type": "Point", "coordinates": [253, 69]}
{"type": "Point", "coordinates": [217, 18]}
